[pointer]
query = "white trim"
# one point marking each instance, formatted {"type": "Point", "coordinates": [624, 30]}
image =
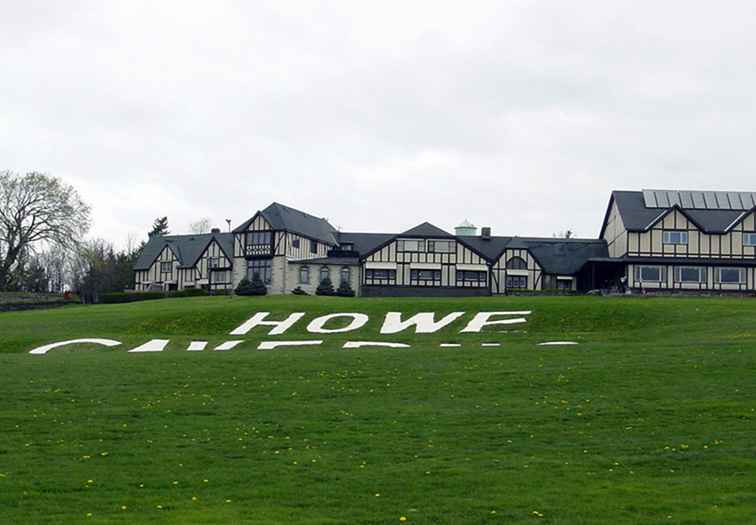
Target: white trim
{"type": "Point", "coordinates": [473, 267]}
{"type": "Point", "coordinates": [517, 272]}
{"type": "Point", "coordinates": [565, 278]}
{"type": "Point", "coordinates": [425, 266]}
{"type": "Point", "coordinates": [737, 220]}
{"type": "Point", "coordinates": [380, 266]}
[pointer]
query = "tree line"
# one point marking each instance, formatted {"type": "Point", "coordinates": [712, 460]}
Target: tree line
{"type": "Point", "coordinates": [43, 245]}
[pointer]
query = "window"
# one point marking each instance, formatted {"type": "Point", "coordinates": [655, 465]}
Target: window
{"type": "Point", "coordinates": [675, 237]}
{"type": "Point", "coordinates": [214, 262]}
{"type": "Point", "coordinates": [325, 273]}
{"type": "Point", "coordinates": [166, 267]}
{"type": "Point", "coordinates": [295, 243]}
{"type": "Point", "coordinates": [304, 275]}
{"type": "Point", "coordinates": [749, 239]}
{"type": "Point", "coordinates": [313, 246]}
{"type": "Point", "coordinates": [690, 274]}
{"type": "Point", "coordinates": [411, 245]}
{"type": "Point", "coordinates": [346, 247]}
{"type": "Point", "coordinates": [426, 276]}
{"type": "Point", "coordinates": [441, 246]}
{"type": "Point", "coordinates": [564, 284]}
{"type": "Point", "coordinates": [467, 276]}
{"type": "Point", "coordinates": [258, 238]}
{"type": "Point", "coordinates": [260, 267]}
{"type": "Point", "coordinates": [517, 281]}
{"type": "Point", "coordinates": [346, 274]}
{"type": "Point", "coordinates": [649, 274]}
{"type": "Point", "coordinates": [731, 275]}
{"type": "Point", "coordinates": [372, 275]}
{"type": "Point", "coordinates": [517, 263]}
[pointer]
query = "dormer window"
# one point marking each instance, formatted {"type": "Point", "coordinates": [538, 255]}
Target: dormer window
{"type": "Point", "coordinates": [675, 237]}
{"type": "Point", "coordinates": [213, 262]}
{"type": "Point", "coordinates": [346, 247]}
{"type": "Point", "coordinates": [166, 267]}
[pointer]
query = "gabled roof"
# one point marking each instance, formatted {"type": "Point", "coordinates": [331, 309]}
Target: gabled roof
{"type": "Point", "coordinates": [364, 242]}
{"type": "Point", "coordinates": [638, 217]}
{"type": "Point", "coordinates": [561, 256]}
{"type": "Point", "coordinates": [187, 248]}
{"type": "Point", "coordinates": [425, 229]}
{"type": "Point", "coordinates": [285, 218]}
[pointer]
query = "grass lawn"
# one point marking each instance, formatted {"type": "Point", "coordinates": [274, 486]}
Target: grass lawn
{"type": "Point", "coordinates": [650, 419]}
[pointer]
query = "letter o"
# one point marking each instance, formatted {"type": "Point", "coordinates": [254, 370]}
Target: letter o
{"type": "Point", "coordinates": [316, 326]}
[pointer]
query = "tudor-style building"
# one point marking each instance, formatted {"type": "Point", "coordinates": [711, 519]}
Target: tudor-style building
{"type": "Point", "coordinates": [650, 240]}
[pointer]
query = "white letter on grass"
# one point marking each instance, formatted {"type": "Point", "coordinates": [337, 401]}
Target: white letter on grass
{"type": "Point", "coordinates": [424, 322]}
{"type": "Point", "coordinates": [270, 345]}
{"type": "Point", "coordinates": [316, 326]}
{"type": "Point", "coordinates": [156, 345]}
{"type": "Point", "coordinates": [379, 344]}
{"type": "Point", "coordinates": [259, 320]}
{"type": "Point", "coordinates": [42, 350]}
{"type": "Point", "coordinates": [482, 319]}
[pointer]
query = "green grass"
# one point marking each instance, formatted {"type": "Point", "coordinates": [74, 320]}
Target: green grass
{"type": "Point", "coordinates": [651, 419]}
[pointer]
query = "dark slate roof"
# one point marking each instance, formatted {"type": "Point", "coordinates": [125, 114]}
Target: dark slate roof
{"type": "Point", "coordinates": [491, 249]}
{"type": "Point", "coordinates": [188, 248]}
{"type": "Point", "coordinates": [637, 217]}
{"type": "Point", "coordinates": [344, 261]}
{"type": "Point", "coordinates": [561, 256]}
{"type": "Point", "coordinates": [289, 219]}
{"type": "Point", "coordinates": [364, 242]}
{"type": "Point", "coordinates": [426, 229]}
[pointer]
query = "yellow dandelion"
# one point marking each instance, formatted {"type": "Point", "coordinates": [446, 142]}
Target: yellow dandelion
{"type": "Point", "coordinates": [123, 507]}
{"type": "Point", "coordinates": [403, 519]}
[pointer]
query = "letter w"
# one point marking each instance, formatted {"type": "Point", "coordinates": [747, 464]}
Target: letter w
{"type": "Point", "coordinates": [259, 320]}
{"type": "Point", "coordinates": [424, 322]}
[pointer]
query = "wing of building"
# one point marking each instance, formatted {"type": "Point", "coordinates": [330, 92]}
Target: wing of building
{"type": "Point", "coordinates": [649, 240]}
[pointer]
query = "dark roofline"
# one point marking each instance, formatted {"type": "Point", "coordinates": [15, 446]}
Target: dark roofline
{"type": "Point", "coordinates": [204, 249]}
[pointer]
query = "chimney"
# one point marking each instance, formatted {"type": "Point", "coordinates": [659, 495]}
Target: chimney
{"type": "Point", "coordinates": [485, 233]}
{"type": "Point", "coordinates": [215, 230]}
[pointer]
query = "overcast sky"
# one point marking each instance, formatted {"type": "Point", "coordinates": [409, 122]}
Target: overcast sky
{"type": "Point", "coordinates": [519, 115]}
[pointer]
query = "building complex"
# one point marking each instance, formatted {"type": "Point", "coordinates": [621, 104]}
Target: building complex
{"type": "Point", "coordinates": [649, 240]}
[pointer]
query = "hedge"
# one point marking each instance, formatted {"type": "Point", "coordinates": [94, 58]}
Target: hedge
{"type": "Point", "coordinates": [130, 297]}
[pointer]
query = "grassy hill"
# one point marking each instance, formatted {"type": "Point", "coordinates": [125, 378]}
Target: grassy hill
{"type": "Point", "coordinates": [650, 419]}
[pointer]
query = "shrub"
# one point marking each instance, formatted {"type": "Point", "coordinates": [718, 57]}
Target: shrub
{"type": "Point", "coordinates": [253, 287]}
{"type": "Point", "coordinates": [298, 291]}
{"type": "Point", "coordinates": [345, 290]}
{"type": "Point", "coordinates": [325, 287]}
{"type": "Point", "coordinates": [130, 297]}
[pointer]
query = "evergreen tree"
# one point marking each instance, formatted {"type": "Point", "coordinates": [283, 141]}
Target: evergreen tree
{"type": "Point", "coordinates": [160, 227]}
{"type": "Point", "coordinates": [345, 290]}
{"type": "Point", "coordinates": [253, 287]}
{"type": "Point", "coordinates": [325, 287]}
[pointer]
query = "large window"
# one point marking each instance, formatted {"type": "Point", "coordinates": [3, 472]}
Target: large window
{"type": "Point", "coordinates": [411, 245]}
{"type": "Point", "coordinates": [346, 274]}
{"type": "Point", "coordinates": [517, 263]}
{"type": "Point", "coordinates": [304, 275]}
{"type": "Point", "coordinates": [731, 275]}
{"type": "Point", "coordinates": [374, 276]}
{"type": "Point", "coordinates": [749, 239]}
{"type": "Point", "coordinates": [258, 238]}
{"type": "Point", "coordinates": [675, 237]}
{"type": "Point", "coordinates": [260, 267]}
{"type": "Point", "coordinates": [474, 277]}
{"type": "Point", "coordinates": [517, 281]}
{"type": "Point", "coordinates": [441, 246]}
{"type": "Point", "coordinates": [166, 267]}
{"type": "Point", "coordinates": [690, 274]}
{"type": "Point", "coordinates": [432, 277]}
{"type": "Point", "coordinates": [649, 274]}
{"type": "Point", "coordinates": [325, 273]}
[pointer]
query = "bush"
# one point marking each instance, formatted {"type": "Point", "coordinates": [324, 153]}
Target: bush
{"type": "Point", "coordinates": [345, 290]}
{"type": "Point", "coordinates": [325, 287]}
{"type": "Point", "coordinates": [298, 291]}
{"type": "Point", "coordinates": [253, 287]}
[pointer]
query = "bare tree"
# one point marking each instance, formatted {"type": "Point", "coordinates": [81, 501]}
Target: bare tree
{"type": "Point", "coordinates": [37, 209]}
{"type": "Point", "coordinates": [201, 226]}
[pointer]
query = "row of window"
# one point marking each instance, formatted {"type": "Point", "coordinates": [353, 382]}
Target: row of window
{"type": "Point", "coordinates": [325, 273]}
{"type": "Point", "coordinates": [689, 274]}
{"type": "Point", "coordinates": [425, 245]}
{"type": "Point", "coordinates": [681, 237]}
{"type": "Point", "coordinates": [263, 240]}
